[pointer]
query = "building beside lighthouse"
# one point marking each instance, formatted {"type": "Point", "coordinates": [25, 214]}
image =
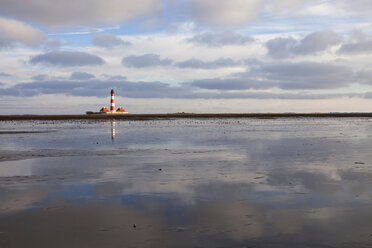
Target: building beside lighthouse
{"type": "Point", "coordinates": [112, 110]}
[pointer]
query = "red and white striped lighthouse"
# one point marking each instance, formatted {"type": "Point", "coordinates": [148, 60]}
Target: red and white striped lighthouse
{"type": "Point", "coordinates": [112, 108]}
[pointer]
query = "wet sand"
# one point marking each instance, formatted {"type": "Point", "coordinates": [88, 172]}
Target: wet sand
{"type": "Point", "coordinates": [287, 182]}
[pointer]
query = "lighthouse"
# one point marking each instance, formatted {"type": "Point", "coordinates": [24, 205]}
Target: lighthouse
{"type": "Point", "coordinates": [112, 108]}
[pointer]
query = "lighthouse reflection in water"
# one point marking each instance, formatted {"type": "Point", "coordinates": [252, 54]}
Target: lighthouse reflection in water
{"type": "Point", "coordinates": [113, 130]}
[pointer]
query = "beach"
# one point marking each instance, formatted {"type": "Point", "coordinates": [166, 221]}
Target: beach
{"type": "Point", "coordinates": [265, 180]}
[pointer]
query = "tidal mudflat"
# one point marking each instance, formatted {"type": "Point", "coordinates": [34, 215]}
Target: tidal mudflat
{"type": "Point", "coordinates": [289, 182]}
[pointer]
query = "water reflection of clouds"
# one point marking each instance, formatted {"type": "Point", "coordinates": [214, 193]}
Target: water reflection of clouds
{"type": "Point", "coordinates": [184, 171]}
{"type": "Point", "coordinates": [12, 201]}
{"type": "Point", "coordinates": [248, 186]}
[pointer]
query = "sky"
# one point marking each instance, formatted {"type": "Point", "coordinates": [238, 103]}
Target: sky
{"type": "Point", "coordinates": [201, 56]}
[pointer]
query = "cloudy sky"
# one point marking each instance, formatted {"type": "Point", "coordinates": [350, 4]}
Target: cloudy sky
{"type": "Point", "coordinates": [186, 56]}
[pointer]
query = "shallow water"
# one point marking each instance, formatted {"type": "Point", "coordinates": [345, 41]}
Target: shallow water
{"type": "Point", "coordinates": [293, 182]}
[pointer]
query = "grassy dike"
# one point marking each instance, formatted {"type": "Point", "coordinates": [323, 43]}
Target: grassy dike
{"type": "Point", "coordinates": [182, 115]}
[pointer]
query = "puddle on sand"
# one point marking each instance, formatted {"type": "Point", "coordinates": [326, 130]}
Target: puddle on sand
{"type": "Point", "coordinates": [187, 183]}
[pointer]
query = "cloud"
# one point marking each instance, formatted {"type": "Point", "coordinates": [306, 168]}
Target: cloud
{"type": "Point", "coordinates": [225, 13]}
{"type": "Point", "coordinates": [109, 41]}
{"type": "Point", "coordinates": [40, 77]}
{"type": "Point", "coordinates": [270, 95]}
{"type": "Point", "coordinates": [81, 76]}
{"type": "Point", "coordinates": [309, 45]}
{"type": "Point", "coordinates": [52, 44]}
{"type": "Point", "coordinates": [198, 64]}
{"type": "Point", "coordinates": [361, 47]}
{"type": "Point", "coordinates": [3, 74]}
{"type": "Point", "coordinates": [114, 77]}
{"type": "Point", "coordinates": [220, 39]}
{"type": "Point", "coordinates": [281, 47]}
{"type": "Point", "coordinates": [152, 60]}
{"type": "Point", "coordinates": [307, 75]}
{"type": "Point", "coordinates": [365, 76]}
{"type": "Point", "coordinates": [286, 76]}
{"type": "Point", "coordinates": [285, 6]}
{"type": "Point", "coordinates": [146, 60]}
{"type": "Point", "coordinates": [290, 77]}
{"type": "Point", "coordinates": [12, 32]}
{"type": "Point", "coordinates": [5, 42]}
{"type": "Point", "coordinates": [78, 12]}
{"type": "Point", "coordinates": [66, 59]}
{"type": "Point", "coordinates": [231, 84]}
{"type": "Point", "coordinates": [317, 41]}
{"type": "Point", "coordinates": [357, 35]}
{"type": "Point", "coordinates": [357, 6]}
{"type": "Point", "coordinates": [368, 95]}
{"type": "Point", "coordinates": [100, 88]}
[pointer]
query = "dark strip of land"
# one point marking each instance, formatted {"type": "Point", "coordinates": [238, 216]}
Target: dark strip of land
{"type": "Point", "coordinates": [182, 115]}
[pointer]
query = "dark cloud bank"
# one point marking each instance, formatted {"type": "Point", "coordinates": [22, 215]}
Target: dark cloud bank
{"type": "Point", "coordinates": [146, 60]}
{"type": "Point", "coordinates": [310, 44]}
{"type": "Point", "coordinates": [199, 64]}
{"type": "Point", "coordinates": [67, 59]}
{"type": "Point", "coordinates": [154, 60]}
{"type": "Point", "coordinates": [357, 47]}
{"type": "Point", "coordinates": [317, 42]}
{"type": "Point", "coordinates": [81, 76]}
{"type": "Point", "coordinates": [286, 76]}
{"type": "Point", "coordinates": [100, 88]}
{"type": "Point", "coordinates": [220, 39]}
{"type": "Point", "coordinates": [3, 74]}
{"type": "Point", "coordinates": [108, 41]}
{"type": "Point", "coordinates": [5, 42]}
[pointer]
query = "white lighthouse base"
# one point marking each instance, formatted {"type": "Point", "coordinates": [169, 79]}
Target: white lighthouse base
{"type": "Point", "coordinates": [116, 113]}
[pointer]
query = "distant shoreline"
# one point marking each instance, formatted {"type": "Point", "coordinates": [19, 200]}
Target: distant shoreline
{"type": "Point", "coordinates": [182, 115]}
